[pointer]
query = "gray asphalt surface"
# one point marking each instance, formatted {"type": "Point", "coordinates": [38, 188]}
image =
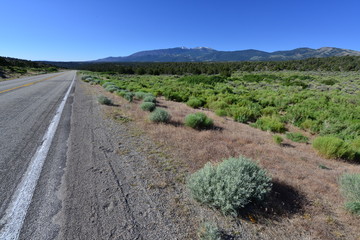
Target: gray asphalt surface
{"type": "Point", "coordinates": [25, 114]}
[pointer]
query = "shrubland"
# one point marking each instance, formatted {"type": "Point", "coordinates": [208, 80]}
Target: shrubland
{"type": "Point", "coordinates": [321, 103]}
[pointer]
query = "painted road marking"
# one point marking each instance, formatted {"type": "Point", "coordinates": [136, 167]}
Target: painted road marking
{"type": "Point", "coordinates": [15, 213]}
{"type": "Point", "coordinates": [29, 84]}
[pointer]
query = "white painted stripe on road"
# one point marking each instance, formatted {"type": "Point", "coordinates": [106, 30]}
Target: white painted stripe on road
{"type": "Point", "coordinates": [15, 214]}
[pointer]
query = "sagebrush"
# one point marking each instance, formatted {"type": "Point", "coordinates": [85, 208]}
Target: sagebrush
{"type": "Point", "coordinates": [209, 231]}
{"type": "Point", "coordinates": [148, 106]}
{"type": "Point", "coordinates": [160, 115]}
{"type": "Point", "coordinates": [350, 187]}
{"type": "Point", "coordinates": [230, 185]}
{"type": "Point", "coordinates": [333, 147]}
{"type": "Point", "coordinates": [104, 100]}
{"type": "Point", "coordinates": [198, 121]}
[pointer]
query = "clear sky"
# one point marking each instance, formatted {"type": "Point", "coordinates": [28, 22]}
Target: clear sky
{"type": "Point", "coordinates": [87, 30]}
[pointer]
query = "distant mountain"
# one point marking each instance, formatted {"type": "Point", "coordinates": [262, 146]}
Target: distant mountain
{"type": "Point", "coordinates": [203, 54]}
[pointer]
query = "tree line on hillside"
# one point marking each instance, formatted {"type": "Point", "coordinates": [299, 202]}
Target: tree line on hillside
{"type": "Point", "coordinates": [14, 65]}
{"type": "Point", "coordinates": [14, 62]}
{"type": "Point", "coordinates": [346, 63]}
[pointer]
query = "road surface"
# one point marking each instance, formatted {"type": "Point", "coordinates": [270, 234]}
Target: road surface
{"type": "Point", "coordinates": [27, 107]}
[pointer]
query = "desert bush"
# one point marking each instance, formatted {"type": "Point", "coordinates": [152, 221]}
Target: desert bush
{"type": "Point", "coordinates": [350, 188]}
{"type": "Point", "coordinates": [278, 139]}
{"type": "Point", "coordinates": [194, 102]}
{"type": "Point", "coordinates": [333, 147]}
{"type": "Point", "coordinates": [198, 121]}
{"type": "Point", "coordinates": [355, 144]}
{"type": "Point", "coordinates": [121, 93]}
{"type": "Point", "coordinates": [307, 124]}
{"type": "Point", "coordinates": [140, 95]}
{"type": "Point", "coordinates": [209, 231]}
{"type": "Point", "coordinates": [221, 112]}
{"type": "Point", "coordinates": [160, 115]}
{"type": "Point", "coordinates": [270, 123]}
{"type": "Point", "coordinates": [269, 111]}
{"type": "Point", "coordinates": [230, 185]}
{"type": "Point", "coordinates": [148, 106]}
{"type": "Point", "coordinates": [111, 88]}
{"type": "Point", "coordinates": [218, 105]}
{"type": "Point", "coordinates": [86, 78]}
{"type": "Point", "coordinates": [150, 99]}
{"type": "Point", "coordinates": [129, 96]}
{"type": "Point", "coordinates": [243, 114]}
{"type": "Point", "coordinates": [106, 84]}
{"type": "Point", "coordinates": [104, 100]}
{"type": "Point", "coordinates": [297, 137]}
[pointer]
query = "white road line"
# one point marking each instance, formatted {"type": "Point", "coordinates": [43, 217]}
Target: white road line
{"type": "Point", "coordinates": [15, 214]}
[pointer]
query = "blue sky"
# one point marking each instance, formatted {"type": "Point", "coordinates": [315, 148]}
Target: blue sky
{"type": "Point", "coordinates": [86, 30]}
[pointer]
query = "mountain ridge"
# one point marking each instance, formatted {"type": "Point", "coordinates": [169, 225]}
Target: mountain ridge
{"type": "Point", "coordinates": [205, 54]}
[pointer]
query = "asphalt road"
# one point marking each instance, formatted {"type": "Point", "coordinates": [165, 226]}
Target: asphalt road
{"type": "Point", "coordinates": [27, 107]}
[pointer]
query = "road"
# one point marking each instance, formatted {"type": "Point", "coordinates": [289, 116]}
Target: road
{"type": "Point", "coordinates": [27, 107]}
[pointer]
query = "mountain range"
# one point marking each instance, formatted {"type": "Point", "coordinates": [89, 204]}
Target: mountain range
{"type": "Point", "coordinates": [204, 54]}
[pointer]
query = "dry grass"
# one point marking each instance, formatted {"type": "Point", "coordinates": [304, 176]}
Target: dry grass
{"type": "Point", "coordinates": [306, 196]}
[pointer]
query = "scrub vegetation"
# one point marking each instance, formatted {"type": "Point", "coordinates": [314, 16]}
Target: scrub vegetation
{"type": "Point", "coordinates": [230, 185]}
{"type": "Point", "coordinates": [321, 103]}
{"type": "Point", "coordinates": [253, 111]}
{"type": "Point", "coordinates": [350, 186]}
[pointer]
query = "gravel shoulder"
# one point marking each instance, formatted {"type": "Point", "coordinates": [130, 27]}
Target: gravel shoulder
{"type": "Point", "coordinates": [117, 183]}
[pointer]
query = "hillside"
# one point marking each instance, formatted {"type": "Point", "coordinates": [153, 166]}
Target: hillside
{"type": "Point", "coordinates": [13, 67]}
{"type": "Point", "coordinates": [203, 54]}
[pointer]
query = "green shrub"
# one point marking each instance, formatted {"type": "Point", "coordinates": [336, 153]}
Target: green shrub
{"type": "Point", "coordinates": [106, 84]}
{"type": "Point", "coordinates": [104, 100]}
{"type": "Point", "coordinates": [218, 105]}
{"type": "Point", "coordinates": [230, 185]}
{"type": "Point", "coordinates": [221, 112]}
{"type": "Point", "coordinates": [278, 139]}
{"type": "Point", "coordinates": [87, 78]}
{"type": "Point", "coordinates": [333, 147]}
{"type": "Point", "coordinates": [111, 88]}
{"type": "Point", "coordinates": [355, 144]}
{"type": "Point", "coordinates": [243, 114]}
{"type": "Point", "coordinates": [270, 123]}
{"type": "Point", "coordinates": [148, 106]}
{"type": "Point", "coordinates": [198, 121]}
{"type": "Point", "coordinates": [307, 124]}
{"type": "Point", "coordinates": [150, 99]}
{"type": "Point", "coordinates": [121, 93]}
{"type": "Point", "coordinates": [209, 231]}
{"type": "Point", "coordinates": [129, 96]}
{"type": "Point", "coordinates": [350, 187]}
{"type": "Point", "coordinates": [159, 115]}
{"type": "Point", "coordinates": [194, 102]}
{"type": "Point", "coordinates": [269, 111]}
{"type": "Point", "coordinates": [140, 95]}
{"type": "Point", "coordinates": [297, 137]}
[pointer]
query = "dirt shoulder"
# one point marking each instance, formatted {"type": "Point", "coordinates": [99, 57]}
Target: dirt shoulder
{"type": "Point", "coordinates": [113, 187]}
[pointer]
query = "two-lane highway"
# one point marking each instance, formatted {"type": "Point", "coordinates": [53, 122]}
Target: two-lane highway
{"type": "Point", "coordinates": [34, 126]}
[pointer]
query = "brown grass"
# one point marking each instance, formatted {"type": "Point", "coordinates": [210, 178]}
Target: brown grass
{"type": "Point", "coordinates": [305, 198]}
